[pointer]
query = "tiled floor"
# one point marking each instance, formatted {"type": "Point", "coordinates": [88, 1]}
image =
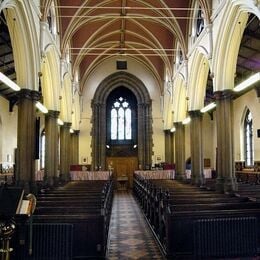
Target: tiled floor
{"type": "Point", "coordinates": [129, 235]}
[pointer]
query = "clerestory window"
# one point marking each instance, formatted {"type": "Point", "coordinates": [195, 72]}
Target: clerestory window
{"type": "Point", "coordinates": [200, 22]}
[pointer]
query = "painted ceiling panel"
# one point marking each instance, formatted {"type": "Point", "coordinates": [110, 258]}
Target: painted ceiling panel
{"type": "Point", "coordinates": [146, 31]}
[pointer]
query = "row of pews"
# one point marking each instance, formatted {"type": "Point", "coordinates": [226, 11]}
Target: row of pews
{"type": "Point", "coordinates": [69, 222]}
{"type": "Point", "coordinates": [191, 222]}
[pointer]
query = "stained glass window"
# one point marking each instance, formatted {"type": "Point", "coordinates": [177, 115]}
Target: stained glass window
{"type": "Point", "coordinates": [248, 137]}
{"type": "Point", "coordinates": [200, 22]}
{"type": "Point", "coordinates": [42, 151]}
{"type": "Point", "coordinates": [121, 120]}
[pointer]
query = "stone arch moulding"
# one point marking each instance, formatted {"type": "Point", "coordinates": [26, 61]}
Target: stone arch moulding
{"type": "Point", "coordinates": [24, 43]}
{"type": "Point", "coordinates": [199, 70]}
{"type": "Point", "coordinates": [144, 130]}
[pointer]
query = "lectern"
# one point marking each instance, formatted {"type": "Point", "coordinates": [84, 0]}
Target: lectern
{"type": "Point", "coordinates": [10, 205]}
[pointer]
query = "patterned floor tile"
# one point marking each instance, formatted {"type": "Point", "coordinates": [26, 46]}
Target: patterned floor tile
{"type": "Point", "coordinates": [129, 234]}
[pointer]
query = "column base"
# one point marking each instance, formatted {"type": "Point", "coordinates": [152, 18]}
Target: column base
{"type": "Point", "coordinates": [230, 185]}
{"type": "Point", "coordinates": [220, 185]}
{"type": "Point", "coordinates": [64, 178]}
{"type": "Point", "coordinates": [28, 186]}
{"type": "Point", "coordinates": [180, 176]}
{"type": "Point", "coordinates": [199, 181]}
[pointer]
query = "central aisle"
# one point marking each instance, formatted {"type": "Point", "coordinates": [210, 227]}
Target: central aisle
{"type": "Point", "coordinates": [129, 235]}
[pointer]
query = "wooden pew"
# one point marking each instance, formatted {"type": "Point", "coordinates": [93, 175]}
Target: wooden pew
{"type": "Point", "coordinates": [76, 215]}
{"type": "Point", "coordinates": [185, 211]}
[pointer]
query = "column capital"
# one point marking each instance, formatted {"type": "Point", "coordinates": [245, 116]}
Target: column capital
{"type": "Point", "coordinates": [29, 94]}
{"type": "Point", "coordinates": [225, 94]}
{"type": "Point", "coordinates": [177, 124]}
{"type": "Point", "coordinates": [66, 125]}
{"type": "Point", "coordinates": [53, 114]}
{"type": "Point", "coordinates": [76, 132]}
{"type": "Point", "coordinates": [195, 113]}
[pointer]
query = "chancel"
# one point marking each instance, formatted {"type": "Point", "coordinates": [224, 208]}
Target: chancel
{"type": "Point", "coordinates": [129, 129]}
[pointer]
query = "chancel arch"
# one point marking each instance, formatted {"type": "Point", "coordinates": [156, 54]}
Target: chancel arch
{"type": "Point", "coordinates": [144, 119]}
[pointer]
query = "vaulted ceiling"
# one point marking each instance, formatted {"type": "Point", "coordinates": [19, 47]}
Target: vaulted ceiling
{"type": "Point", "coordinates": [147, 31]}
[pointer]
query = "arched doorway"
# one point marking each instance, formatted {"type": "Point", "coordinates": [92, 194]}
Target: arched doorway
{"type": "Point", "coordinates": [137, 150]}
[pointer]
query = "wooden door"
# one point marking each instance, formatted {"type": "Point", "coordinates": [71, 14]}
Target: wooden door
{"type": "Point", "coordinates": [123, 166]}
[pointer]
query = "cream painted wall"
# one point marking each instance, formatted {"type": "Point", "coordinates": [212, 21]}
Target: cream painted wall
{"type": "Point", "coordinates": [102, 71]}
{"type": "Point", "coordinates": [250, 101]}
{"type": "Point", "coordinates": [8, 132]}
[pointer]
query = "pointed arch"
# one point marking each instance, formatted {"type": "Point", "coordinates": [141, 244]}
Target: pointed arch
{"type": "Point", "coordinates": [198, 80]}
{"type": "Point", "coordinates": [227, 44]}
{"type": "Point", "coordinates": [179, 99]}
{"type": "Point", "coordinates": [51, 79]}
{"type": "Point", "coordinates": [66, 102]}
{"type": "Point", "coordinates": [144, 117]}
{"type": "Point", "coordinates": [23, 34]}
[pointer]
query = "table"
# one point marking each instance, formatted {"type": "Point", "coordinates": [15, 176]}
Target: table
{"type": "Point", "coordinates": [207, 173]}
{"type": "Point", "coordinates": [157, 174]}
{"type": "Point", "coordinates": [89, 175]}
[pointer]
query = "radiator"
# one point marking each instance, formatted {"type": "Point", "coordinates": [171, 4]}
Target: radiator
{"type": "Point", "coordinates": [225, 237]}
{"type": "Point", "coordinates": [52, 241]}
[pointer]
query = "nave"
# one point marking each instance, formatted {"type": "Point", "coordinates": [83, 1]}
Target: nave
{"type": "Point", "coordinates": [91, 220]}
{"type": "Point", "coordinates": [130, 236]}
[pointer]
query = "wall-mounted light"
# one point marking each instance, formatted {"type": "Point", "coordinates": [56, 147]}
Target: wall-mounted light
{"type": "Point", "coordinates": [60, 122]}
{"type": "Point", "coordinates": [248, 82]}
{"type": "Point", "coordinates": [173, 129]}
{"type": "Point", "coordinates": [71, 131]}
{"type": "Point", "coordinates": [186, 120]}
{"type": "Point", "coordinates": [107, 146]}
{"type": "Point", "coordinates": [135, 145]}
{"type": "Point", "coordinates": [208, 107]}
{"type": "Point", "coordinates": [9, 82]}
{"type": "Point", "coordinates": [41, 107]}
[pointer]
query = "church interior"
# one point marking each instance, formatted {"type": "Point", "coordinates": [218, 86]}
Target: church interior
{"type": "Point", "coordinates": [129, 129]}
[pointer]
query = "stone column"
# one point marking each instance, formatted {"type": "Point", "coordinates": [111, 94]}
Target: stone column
{"type": "Point", "coordinates": [98, 136]}
{"type": "Point", "coordinates": [26, 141]}
{"type": "Point", "coordinates": [51, 148]}
{"type": "Point", "coordinates": [180, 151]}
{"type": "Point", "coordinates": [226, 180]}
{"type": "Point", "coordinates": [197, 159]}
{"type": "Point", "coordinates": [75, 147]}
{"type": "Point", "coordinates": [65, 149]}
{"type": "Point", "coordinates": [172, 148]}
{"type": "Point", "coordinates": [141, 136]}
{"type": "Point", "coordinates": [144, 135]}
{"type": "Point", "coordinates": [168, 146]}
